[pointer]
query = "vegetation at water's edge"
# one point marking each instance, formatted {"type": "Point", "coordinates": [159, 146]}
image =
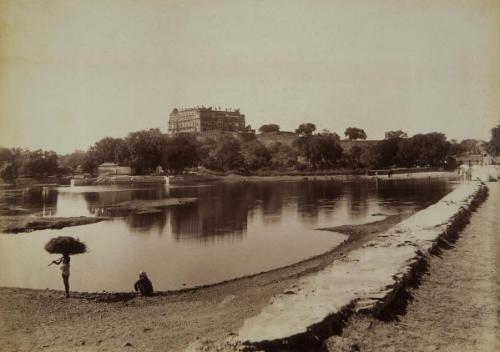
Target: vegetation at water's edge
{"type": "Point", "coordinates": [145, 150]}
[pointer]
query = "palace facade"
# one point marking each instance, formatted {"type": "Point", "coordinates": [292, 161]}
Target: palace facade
{"type": "Point", "coordinates": [205, 119]}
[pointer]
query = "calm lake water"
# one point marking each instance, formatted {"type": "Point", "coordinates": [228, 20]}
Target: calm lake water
{"type": "Point", "coordinates": [234, 229]}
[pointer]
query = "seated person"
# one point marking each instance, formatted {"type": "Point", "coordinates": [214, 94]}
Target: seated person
{"type": "Point", "coordinates": [143, 285]}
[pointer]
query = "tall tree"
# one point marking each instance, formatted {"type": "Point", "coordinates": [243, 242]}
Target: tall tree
{"type": "Point", "coordinates": [472, 146]}
{"type": "Point", "coordinates": [395, 134]}
{"type": "Point", "coordinates": [227, 154]}
{"type": "Point", "coordinates": [145, 149]}
{"type": "Point", "coordinates": [325, 151]}
{"type": "Point", "coordinates": [494, 143]}
{"type": "Point", "coordinates": [355, 133]}
{"type": "Point", "coordinates": [430, 149]}
{"type": "Point", "coordinates": [385, 152]}
{"type": "Point", "coordinates": [73, 160]}
{"type": "Point", "coordinates": [321, 150]}
{"type": "Point", "coordinates": [306, 129]}
{"type": "Point", "coordinates": [179, 152]}
{"type": "Point", "coordinates": [353, 157]}
{"type": "Point", "coordinates": [110, 149]}
{"type": "Point", "coordinates": [282, 156]}
{"type": "Point", "coordinates": [255, 155]}
{"type": "Point", "coordinates": [5, 155]}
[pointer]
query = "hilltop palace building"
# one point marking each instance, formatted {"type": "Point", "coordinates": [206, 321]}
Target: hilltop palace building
{"type": "Point", "coordinates": [204, 119]}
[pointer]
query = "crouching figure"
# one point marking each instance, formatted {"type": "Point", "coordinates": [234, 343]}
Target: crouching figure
{"type": "Point", "coordinates": [144, 286]}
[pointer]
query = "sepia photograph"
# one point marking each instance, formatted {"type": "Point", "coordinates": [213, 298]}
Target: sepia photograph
{"type": "Point", "coordinates": [250, 175]}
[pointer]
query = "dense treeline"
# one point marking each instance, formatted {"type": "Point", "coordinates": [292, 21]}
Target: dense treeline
{"type": "Point", "coordinates": [19, 162]}
{"type": "Point", "coordinates": [494, 144]}
{"type": "Point", "coordinates": [145, 150]}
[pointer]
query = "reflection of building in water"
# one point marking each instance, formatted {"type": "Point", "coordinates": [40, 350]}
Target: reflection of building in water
{"type": "Point", "coordinates": [202, 119]}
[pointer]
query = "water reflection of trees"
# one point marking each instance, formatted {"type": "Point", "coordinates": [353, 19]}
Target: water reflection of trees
{"type": "Point", "coordinates": [147, 221]}
{"type": "Point", "coordinates": [224, 210]}
{"type": "Point", "coordinates": [209, 219]}
{"type": "Point", "coordinates": [358, 198]}
{"type": "Point", "coordinates": [36, 200]}
{"type": "Point", "coordinates": [315, 197]}
{"type": "Point", "coordinates": [420, 192]}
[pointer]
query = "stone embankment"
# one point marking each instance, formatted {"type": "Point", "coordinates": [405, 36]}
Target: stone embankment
{"type": "Point", "coordinates": [119, 180]}
{"type": "Point", "coordinates": [367, 279]}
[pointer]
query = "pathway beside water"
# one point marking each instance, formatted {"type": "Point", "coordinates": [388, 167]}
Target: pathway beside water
{"type": "Point", "coordinates": [456, 306]}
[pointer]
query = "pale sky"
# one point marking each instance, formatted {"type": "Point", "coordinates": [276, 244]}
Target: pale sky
{"type": "Point", "coordinates": [72, 72]}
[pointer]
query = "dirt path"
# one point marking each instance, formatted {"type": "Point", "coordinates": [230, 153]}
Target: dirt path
{"type": "Point", "coordinates": [42, 320]}
{"type": "Point", "coordinates": [455, 307]}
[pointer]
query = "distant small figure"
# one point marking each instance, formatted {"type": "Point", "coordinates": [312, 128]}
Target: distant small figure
{"type": "Point", "coordinates": [389, 174]}
{"type": "Point", "coordinates": [144, 286]}
{"type": "Point", "coordinates": [468, 174]}
{"type": "Point", "coordinates": [65, 259]}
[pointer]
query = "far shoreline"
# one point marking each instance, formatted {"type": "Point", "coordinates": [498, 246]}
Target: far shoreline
{"type": "Point", "coordinates": [339, 177]}
{"type": "Point", "coordinates": [199, 177]}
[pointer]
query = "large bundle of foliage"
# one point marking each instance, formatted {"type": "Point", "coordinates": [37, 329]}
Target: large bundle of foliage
{"type": "Point", "coordinates": [65, 244]}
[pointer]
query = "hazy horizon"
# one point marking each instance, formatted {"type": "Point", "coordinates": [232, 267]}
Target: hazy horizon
{"type": "Point", "coordinates": [75, 72]}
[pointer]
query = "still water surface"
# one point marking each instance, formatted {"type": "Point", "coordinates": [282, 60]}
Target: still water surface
{"type": "Point", "coordinates": [234, 229]}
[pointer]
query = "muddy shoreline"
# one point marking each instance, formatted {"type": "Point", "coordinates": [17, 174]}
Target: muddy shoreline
{"type": "Point", "coordinates": [27, 223]}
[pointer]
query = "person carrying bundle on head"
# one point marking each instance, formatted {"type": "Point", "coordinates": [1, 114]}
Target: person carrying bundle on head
{"type": "Point", "coordinates": [65, 259]}
{"type": "Point", "coordinates": [65, 245]}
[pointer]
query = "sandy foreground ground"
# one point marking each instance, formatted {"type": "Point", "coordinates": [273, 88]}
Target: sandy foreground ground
{"type": "Point", "coordinates": [455, 307]}
{"type": "Point", "coordinates": [42, 320]}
